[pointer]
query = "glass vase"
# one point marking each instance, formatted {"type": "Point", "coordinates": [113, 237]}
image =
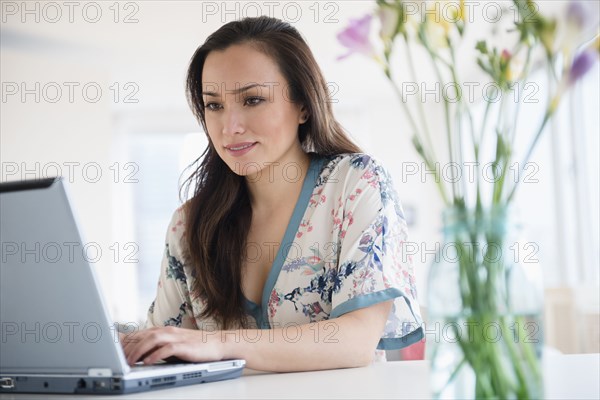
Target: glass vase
{"type": "Point", "coordinates": [485, 307]}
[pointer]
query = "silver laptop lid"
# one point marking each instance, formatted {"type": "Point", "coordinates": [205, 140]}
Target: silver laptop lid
{"type": "Point", "coordinates": [52, 315]}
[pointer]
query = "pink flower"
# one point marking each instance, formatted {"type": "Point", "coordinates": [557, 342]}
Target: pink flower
{"type": "Point", "coordinates": [356, 37]}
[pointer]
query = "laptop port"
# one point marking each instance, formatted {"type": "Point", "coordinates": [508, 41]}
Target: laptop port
{"type": "Point", "coordinates": [99, 385]}
{"type": "Point", "coordinates": [81, 384]}
{"type": "Point", "coordinates": [7, 383]}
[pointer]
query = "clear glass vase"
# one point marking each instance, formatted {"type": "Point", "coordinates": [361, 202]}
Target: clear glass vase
{"type": "Point", "coordinates": [485, 308]}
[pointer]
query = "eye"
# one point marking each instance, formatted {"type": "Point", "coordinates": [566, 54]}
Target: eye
{"type": "Point", "coordinates": [212, 106]}
{"type": "Point", "coordinates": [253, 101]}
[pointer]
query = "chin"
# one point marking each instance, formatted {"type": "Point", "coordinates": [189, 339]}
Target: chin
{"type": "Point", "coordinates": [247, 167]}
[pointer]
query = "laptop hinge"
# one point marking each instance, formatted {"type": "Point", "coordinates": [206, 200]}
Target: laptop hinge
{"type": "Point", "coordinates": [100, 372]}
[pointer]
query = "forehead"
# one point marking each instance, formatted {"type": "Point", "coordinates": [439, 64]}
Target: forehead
{"type": "Point", "coordinates": [239, 64]}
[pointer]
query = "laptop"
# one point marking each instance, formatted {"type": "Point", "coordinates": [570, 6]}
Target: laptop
{"type": "Point", "coordinates": [56, 333]}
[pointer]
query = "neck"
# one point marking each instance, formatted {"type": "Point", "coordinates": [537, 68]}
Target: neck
{"type": "Point", "coordinates": [278, 185]}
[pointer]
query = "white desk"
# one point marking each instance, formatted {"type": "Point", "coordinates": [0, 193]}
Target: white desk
{"type": "Point", "coordinates": [566, 376]}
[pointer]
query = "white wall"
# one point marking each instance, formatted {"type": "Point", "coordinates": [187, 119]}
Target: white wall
{"type": "Point", "coordinates": [151, 55]}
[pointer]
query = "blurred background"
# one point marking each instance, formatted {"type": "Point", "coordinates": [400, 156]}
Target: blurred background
{"type": "Point", "coordinates": [94, 91]}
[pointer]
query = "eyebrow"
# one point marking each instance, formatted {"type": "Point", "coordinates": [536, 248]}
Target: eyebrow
{"type": "Point", "coordinates": [235, 91]}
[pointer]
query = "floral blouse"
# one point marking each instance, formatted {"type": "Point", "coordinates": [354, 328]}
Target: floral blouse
{"type": "Point", "coordinates": [342, 251]}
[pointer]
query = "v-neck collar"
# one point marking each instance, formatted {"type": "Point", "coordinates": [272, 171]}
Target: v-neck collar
{"type": "Point", "coordinates": [260, 312]}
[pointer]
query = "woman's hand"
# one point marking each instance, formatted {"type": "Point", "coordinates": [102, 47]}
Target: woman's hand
{"type": "Point", "coordinates": [313, 346]}
{"type": "Point", "coordinates": [159, 343]}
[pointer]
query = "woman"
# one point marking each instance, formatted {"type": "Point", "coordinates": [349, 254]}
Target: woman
{"type": "Point", "coordinates": [289, 254]}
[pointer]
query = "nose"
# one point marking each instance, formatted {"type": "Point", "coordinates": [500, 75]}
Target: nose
{"type": "Point", "coordinates": [233, 121]}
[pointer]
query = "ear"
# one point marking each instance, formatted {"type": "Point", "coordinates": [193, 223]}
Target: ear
{"type": "Point", "coordinates": [304, 115]}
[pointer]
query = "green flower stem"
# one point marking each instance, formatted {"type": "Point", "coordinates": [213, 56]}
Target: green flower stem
{"type": "Point", "coordinates": [501, 155]}
{"type": "Point", "coordinates": [499, 185]}
{"type": "Point", "coordinates": [530, 361]}
{"type": "Point", "coordinates": [467, 277]}
{"type": "Point", "coordinates": [550, 109]}
{"type": "Point", "coordinates": [483, 127]}
{"type": "Point", "coordinates": [477, 145]}
{"type": "Point", "coordinates": [400, 96]}
{"type": "Point", "coordinates": [530, 357]}
{"type": "Point", "coordinates": [438, 181]}
{"type": "Point", "coordinates": [475, 357]}
{"type": "Point", "coordinates": [547, 115]}
{"type": "Point", "coordinates": [413, 73]}
{"type": "Point", "coordinates": [461, 160]}
{"type": "Point", "coordinates": [526, 69]}
{"type": "Point", "coordinates": [484, 358]}
{"type": "Point", "coordinates": [504, 155]}
{"type": "Point", "coordinates": [446, 118]}
{"type": "Point", "coordinates": [551, 62]}
{"type": "Point", "coordinates": [434, 57]}
{"type": "Point", "coordinates": [422, 151]}
{"type": "Point", "coordinates": [458, 120]}
{"type": "Point", "coordinates": [460, 97]}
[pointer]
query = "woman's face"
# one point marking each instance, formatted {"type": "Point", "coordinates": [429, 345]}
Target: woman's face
{"type": "Point", "coordinates": [250, 119]}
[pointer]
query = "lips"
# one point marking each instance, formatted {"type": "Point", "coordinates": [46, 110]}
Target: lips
{"type": "Point", "coordinates": [239, 149]}
{"type": "Point", "coordinates": [239, 146]}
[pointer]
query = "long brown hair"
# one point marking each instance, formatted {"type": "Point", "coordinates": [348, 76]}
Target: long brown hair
{"type": "Point", "coordinates": [218, 215]}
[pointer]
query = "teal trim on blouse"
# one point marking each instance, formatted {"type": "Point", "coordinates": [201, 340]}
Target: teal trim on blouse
{"type": "Point", "coordinates": [253, 310]}
{"type": "Point", "coordinates": [370, 299]}
{"type": "Point", "coordinates": [366, 300]}
{"type": "Point", "coordinates": [401, 342]}
{"type": "Point", "coordinates": [310, 179]}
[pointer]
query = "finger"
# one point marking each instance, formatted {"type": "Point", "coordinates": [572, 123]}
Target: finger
{"type": "Point", "coordinates": [143, 356]}
{"type": "Point", "coordinates": [130, 341]}
{"type": "Point", "coordinates": [149, 342]}
{"type": "Point", "coordinates": [132, 358]}
{"type": "Point", "coordinates": [161, 353]}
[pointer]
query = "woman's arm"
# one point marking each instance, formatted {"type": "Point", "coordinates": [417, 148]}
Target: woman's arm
{"type": "Point", "coordinates": [347, 341]}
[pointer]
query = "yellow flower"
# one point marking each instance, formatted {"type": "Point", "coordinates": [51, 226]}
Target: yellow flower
{"type": "Point", "coordinates": [459, 13]}
{"type": "Point", "coordinates": [547, 35]}
{"type": "Point", "coordinates": [436, 15]}
{"type": "Point", "coordinates": [515, 66]}
{"type": "Point", "coordinates": [441, 17]}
